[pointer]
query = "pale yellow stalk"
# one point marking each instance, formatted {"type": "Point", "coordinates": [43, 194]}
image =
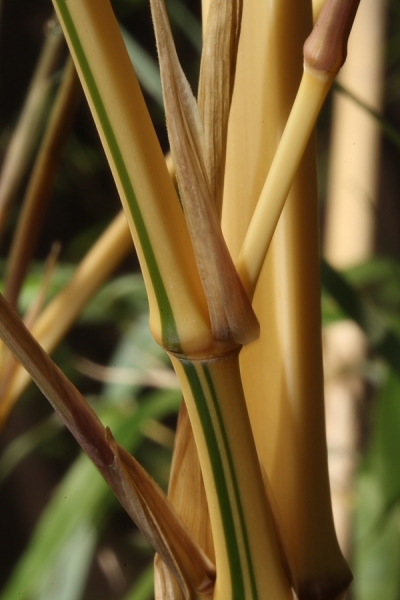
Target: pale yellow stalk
{"type": "Point", "coordinates": [102, 60]}
{"type": "Point", "coordinates": [264, 576]}
{"type": "Point", "coordinates": [349, 238]}
{"type": "Point", "coordinates": [282, 371]}
{"type": "Point", "coordinates": [311, 94]}
{"type": "Point", "coordinates": [352, 185]}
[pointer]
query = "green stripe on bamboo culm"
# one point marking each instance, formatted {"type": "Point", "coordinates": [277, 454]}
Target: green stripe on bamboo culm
{"type": "Point", "coordinates": [236, 487]}
{"type": "Point", "coordinates": [220, 480]}
{"type": "Point", "coordinates": [168, 326]}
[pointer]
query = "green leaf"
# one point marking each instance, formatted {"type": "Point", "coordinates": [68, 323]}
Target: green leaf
{"type": "Point", "coordinates": [377, 516]}
{"type": "Point", "coordinates": [81, 500]}
{"type": "Point", "coordinates": [384, 455]}
{"type": "Point", "coordinates": [25, 443]}
{"type": "Point", "coordinates": [377, 548]}
{"type": "Point", "coordinates": [67, 578]}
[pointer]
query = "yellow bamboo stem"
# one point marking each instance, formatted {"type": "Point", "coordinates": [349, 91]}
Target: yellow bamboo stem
{"type": "Point", "coordinates": [138, 165]}
{"type": "Point", "coordinates": [240, 517]}
{"type": "Point", "coordinates": [282, 371]}
{"type": "Point", "coordinates": [353, 175]}
{"type": "Point", "coordinates": [187, 495]}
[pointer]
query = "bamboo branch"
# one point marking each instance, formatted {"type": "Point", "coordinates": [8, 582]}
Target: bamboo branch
{"type": "Point", "coordinates": [324, 54]}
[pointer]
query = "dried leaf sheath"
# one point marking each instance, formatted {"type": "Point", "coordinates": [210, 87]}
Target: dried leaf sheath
{"type": "Point", "coordinates": [217, 75]}
{"type": "Point", "coordinates": [139, 495]}
{"type": "Point", "coordinates": [232, 318]}
{"type": "Point", "coordinates": [186, 475]}
{"type": "Point", "coordinates": [187, 495]}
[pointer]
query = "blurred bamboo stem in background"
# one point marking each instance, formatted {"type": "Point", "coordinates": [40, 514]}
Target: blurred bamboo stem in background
{"type": "Point", "coordinates": [33, 115]}
{"type": "Point", "coordinates": [349, 238]}
{"type": "Point", "coordinates": [38, 192]}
